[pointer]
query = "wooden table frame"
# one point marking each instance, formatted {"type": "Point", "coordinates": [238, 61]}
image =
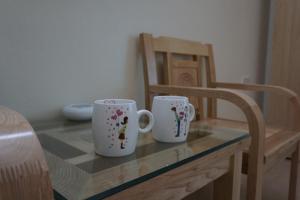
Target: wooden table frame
{"type": "Point", "coordinates": [222, 167]}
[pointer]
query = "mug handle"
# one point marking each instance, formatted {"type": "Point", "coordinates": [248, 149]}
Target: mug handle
{"type": "Point", "coordinates": [151, 120]}
{"type": "Point", "coordinates": [192, 112]}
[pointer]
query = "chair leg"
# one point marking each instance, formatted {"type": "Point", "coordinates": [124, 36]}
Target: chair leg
{"type": "Point", "coordinates": [294, 174]}
{"type": "Point", "coordinates": [255, 177]}
{"type": "Point", "coordinates": [228, 186]}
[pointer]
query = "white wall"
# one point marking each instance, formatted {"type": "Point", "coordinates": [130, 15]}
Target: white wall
{"type": "Point", "coordinates": [58, 52]}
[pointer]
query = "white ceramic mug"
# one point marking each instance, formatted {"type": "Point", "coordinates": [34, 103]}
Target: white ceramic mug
{"type": "Point", "coordinates": [173, 115]}
{"type": "Point", "coordinates": [115, 125]}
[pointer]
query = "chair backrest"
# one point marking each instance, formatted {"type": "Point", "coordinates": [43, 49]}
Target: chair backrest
{"type": "Point", "coordinates": [23, 168]}
{"type": "Point", "coordinates": [173, 61]}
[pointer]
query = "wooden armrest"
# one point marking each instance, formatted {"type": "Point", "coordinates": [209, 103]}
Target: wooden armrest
{"type": "Point", "coordinates": [23, 168]}
{"type": "Point", "coordinates": [291, 95]}
{"type": "Point", "coordinates": [258, 87]}
{"type": "Point", "coordinates": [252, 113]}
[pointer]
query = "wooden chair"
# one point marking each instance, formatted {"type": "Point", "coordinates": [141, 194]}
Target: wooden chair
{"type": "Point", "coordinates": [23, 169]}
{"type": "Point", "coordinates": [176, 66]}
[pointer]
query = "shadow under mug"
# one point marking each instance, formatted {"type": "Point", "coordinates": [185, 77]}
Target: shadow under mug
{"type": "Point", "coordinates": [115, 126]}
{"type": "Point", "coordinates": [173, 115]}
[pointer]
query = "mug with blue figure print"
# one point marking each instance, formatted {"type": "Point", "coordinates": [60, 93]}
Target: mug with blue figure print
{"type": "Point", "coordinates": [173, 115]}
{"type": "Point", "coordinates": [115, 126]}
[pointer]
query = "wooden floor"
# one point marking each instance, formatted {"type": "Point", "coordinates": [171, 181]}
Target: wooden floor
{"type": "Point", "coordinates": [275, 185]}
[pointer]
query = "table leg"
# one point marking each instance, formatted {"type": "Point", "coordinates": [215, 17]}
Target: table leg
{"type": "Point", "coordinates": [228, 186]}
{"type": "Point", "coordinates": [294, 175]}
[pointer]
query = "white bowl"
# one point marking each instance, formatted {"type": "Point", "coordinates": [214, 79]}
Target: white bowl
{"type": "Point", "coordinates": [78, 112]}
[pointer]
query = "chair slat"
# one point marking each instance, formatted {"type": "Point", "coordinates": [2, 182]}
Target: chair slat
{"type": "Point", "coordinates": [173, 45]}
{"type": "Point", "coordinates": [186, 63]}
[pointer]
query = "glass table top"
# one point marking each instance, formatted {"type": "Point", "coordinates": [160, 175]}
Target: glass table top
{"type": "Point", "coordinates": [78, 173]}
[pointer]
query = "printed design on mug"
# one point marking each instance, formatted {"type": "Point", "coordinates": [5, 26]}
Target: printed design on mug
{"type": "Point", "coordinates": [181, 115]}
{"type": "Point", "coordinates": [117, 122]}
{"type": "Point", "coordinates": [122, 132]}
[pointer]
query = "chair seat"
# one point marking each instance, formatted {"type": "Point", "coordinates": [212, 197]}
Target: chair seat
{"type": "Point", "coordinates": [278, 142]}
{"type": "Point", "coordinates": [219, 122]}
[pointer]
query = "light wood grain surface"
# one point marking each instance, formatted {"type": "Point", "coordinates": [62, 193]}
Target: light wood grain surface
{"type": "Point", "coordinates": [23, 169]}
{"type": "Point", "coordinates": [276, 92]}
{"type": "Point", "coordinates": [184, 63]}
{"type": "Point", "coordinates": [269, 145]}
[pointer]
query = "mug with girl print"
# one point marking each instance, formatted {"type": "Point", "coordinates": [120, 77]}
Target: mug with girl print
{"type": "Point", "coordinates": [115, 126]}
{"type": "Point", "coordinates": [173, 115]}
